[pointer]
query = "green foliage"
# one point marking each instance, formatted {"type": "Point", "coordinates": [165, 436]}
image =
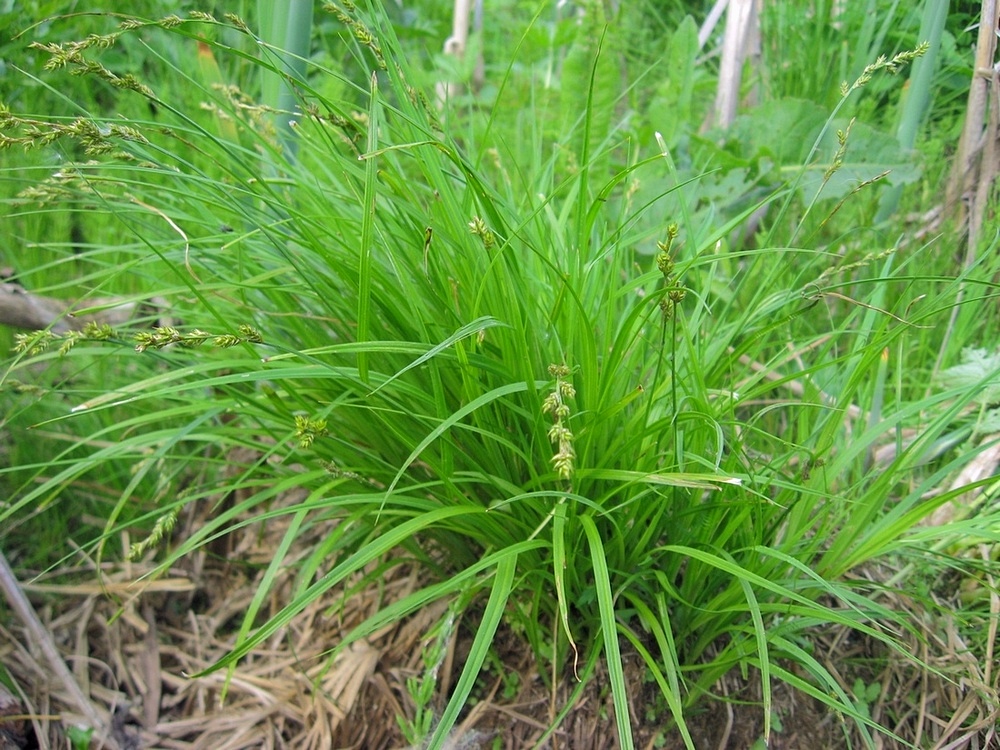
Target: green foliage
{"type": "Point", "coordinates": [671, 107]}
{"type": "Point", "coordinates": [79, 738]}
{"type": "Point", "coordinates": [541, 372]}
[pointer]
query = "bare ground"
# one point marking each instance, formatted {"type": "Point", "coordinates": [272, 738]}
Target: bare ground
{"type": "Point", "coordinates": [133, 644]}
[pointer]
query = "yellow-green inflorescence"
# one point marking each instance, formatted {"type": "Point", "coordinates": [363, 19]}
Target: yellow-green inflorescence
{"type": "Point", "coordinates": [165, 336]}
{"type": "Point", "coordinates": [163, 526]}
{"type": "Point", "coordinates": [560, 435]}
{"type": "Point", "coordinates": [478, 227]}
{"type": "Point", "coordinates": [364, 35]}
{"type": "Point", "coordinates": [307, 430]}
{"type": "Point", "coordinates": [893, 65]}
{"type": "Point", "coordinates": [665, 263]}
{"type": "Point", "coordinates": [36, 342]}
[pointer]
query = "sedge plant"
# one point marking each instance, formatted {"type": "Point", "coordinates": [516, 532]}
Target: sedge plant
{"type": "Point", "coordinates": [447, 354]}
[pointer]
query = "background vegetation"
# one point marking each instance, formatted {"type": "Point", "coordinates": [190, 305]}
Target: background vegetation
{"type": "Point", "coordinates": [611, 380]}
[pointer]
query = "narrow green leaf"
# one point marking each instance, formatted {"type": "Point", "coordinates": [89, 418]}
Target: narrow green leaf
{"type": "Point", "coordinates": [469, 329]}
{"type": "Point", "coordinates": [379, 546]}
{"type": "Point", "coordinates": [506, 567]}
{"type": "Point", "coordinates": [454, 419]}
{"type": "Point", "coordinates": [669, 684]}
{"type": "Point", "coordinates": [559, 572]}
{"type": "Point", "coordinates": [455, 583]}
{"type": "Point", "coordinates": [609, 627]}
{"type": "Point", "coordinates": [764, 661]}
{"type": "Point", "coordinates": [265, 585]}
{"type": "Point", "coordinates": [368, 228]}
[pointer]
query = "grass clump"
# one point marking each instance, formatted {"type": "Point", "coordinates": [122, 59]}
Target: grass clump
{"type": "Point", "coordinates": [578, 413]}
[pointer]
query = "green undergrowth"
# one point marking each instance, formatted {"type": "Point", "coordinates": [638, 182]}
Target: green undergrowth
{"type": "Point", "coordinates": [540, 364]}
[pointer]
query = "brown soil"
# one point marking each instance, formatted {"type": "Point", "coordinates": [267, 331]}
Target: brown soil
{"type": "Point", "coordinates": [133, 643]}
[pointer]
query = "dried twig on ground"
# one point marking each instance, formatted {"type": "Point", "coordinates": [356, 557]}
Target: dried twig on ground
{"type": "Point", "coordinates": [20, 308]}
{"type": "Point", "coordinates": [26, 614]}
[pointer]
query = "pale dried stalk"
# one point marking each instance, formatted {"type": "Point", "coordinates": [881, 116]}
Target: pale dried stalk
{"type": "Point", "coordinates": [455, 45]}
{"type": "Point", "coordinates": [976, 164]}
{"type": "Point", "coordinates": [20, 308]}
{"type": "Point", "coordinates": [742, 37]}
{"type": "Point", "coordinates": [963, 185]}
{"type": "Point", "coordinates": [26, 614]}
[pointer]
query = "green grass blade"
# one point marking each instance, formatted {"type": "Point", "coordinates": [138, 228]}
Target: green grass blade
{"type": "Point", "coordinates": [470, 329]}
{"type": "Point", "coordinates": [492, 615]}
{"type": "Point", "coordinates": [397, 610]}
{"type": "Point", "coordinates": [764, 661]}
{"type": "Point", "coordinates": [366, 247]}
{"type": "Point", "coordinates": [452, 420]}
{"type": "Point", "coordinates": [918, 94]}
{"type": "Point", "coordinates": [669, 684]}
{"type": "Point", "coordinates": [381, 545]}
{"type": "Point", "coordinates": [559, 563]}
{"type": "Point", "coordinates": [609, 628]}
{"type": "Point", "coordinates": [266, 584]}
